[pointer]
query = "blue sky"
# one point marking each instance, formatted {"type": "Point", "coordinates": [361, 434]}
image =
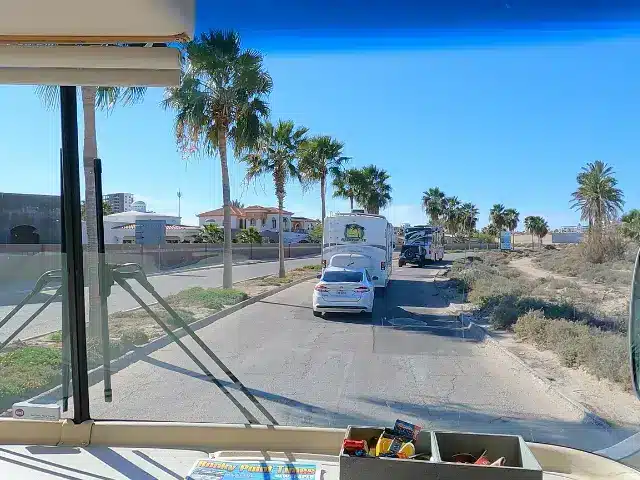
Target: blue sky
{"type": "Point", "coordinates": [508, 118]}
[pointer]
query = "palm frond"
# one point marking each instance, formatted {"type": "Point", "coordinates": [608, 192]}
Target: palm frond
{"type": "Point", "coordinates": [49, 94]}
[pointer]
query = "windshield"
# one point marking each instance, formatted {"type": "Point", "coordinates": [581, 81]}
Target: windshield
{"type": "Point", "coordinates": [348, 277]}
{"type": "Point", "coordinates": [507, 141]}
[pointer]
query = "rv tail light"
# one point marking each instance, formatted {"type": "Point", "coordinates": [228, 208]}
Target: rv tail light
{"type": "Point", "coordinates": [383, 265]}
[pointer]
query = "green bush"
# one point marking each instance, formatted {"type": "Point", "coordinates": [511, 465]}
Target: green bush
{"type": "Point", "coordinates": [27, 370]}
{"type": "Point", "coordinates": [134, 337]}
{"type": "Point", "coordinates": [603, 354]}
{"type": "Point", "coordinates": [211, 298]}
{"type": "Point", "coordinates": [504, 315]}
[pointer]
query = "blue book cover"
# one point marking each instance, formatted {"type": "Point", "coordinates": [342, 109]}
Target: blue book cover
{"type": "Point", "coordinates": [212, 469]}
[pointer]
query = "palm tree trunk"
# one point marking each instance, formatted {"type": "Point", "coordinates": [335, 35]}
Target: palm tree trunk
{"type": "Point", "coordinates": [227, 271]}
{"type": "Point", "coordinates": [281, 271]}
{"type": "Point", "coordinates": [90, 152]}
{"type": "Point", "coordinates": [323, 181]}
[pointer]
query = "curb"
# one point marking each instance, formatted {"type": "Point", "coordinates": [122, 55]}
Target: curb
{"type": "Point", "coordinates": [96, 375]}
{"type": "Point", "coordinates": [590, 415]}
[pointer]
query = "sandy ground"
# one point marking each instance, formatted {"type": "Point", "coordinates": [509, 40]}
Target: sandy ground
{"type": "Point", "coordinates": [605, 398]}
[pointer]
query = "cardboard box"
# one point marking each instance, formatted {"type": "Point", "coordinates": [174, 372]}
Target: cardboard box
{"type": "Point", "coordinates": [520, 462]}
{"type": "Point", "coordinates": [357, 468]}
{"type": "Point", "coordinates": [441, 446]}
{"type": "Point", "coordinates": [36, 411]}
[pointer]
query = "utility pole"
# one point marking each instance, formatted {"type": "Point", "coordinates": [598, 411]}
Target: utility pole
{"type": "Point", "coordinates": [179, 198]}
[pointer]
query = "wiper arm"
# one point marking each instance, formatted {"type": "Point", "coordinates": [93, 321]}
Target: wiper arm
{"type": "Point", "coordinates": [133, 271]}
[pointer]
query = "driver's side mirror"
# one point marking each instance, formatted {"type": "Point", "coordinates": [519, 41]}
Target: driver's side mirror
{"type": "Point", "coordinates": [318, 276]}
{"type": "Point", "coordinates": [634, 326]}
{"type": "Point", "coordinates": [374, 278]}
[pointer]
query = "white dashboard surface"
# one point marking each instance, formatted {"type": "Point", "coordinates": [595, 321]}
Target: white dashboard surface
{"type": "Point", "coordinates": [95, 463]}
{"type": "Point", "coordinates": [113, 463]}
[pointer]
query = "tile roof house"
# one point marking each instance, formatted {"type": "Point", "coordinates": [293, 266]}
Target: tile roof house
{"type": "Point", "coordinates": [264, 219]}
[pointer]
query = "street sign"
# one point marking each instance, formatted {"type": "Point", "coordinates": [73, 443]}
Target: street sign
{"type": "Point", "coordinates": [505, 241]}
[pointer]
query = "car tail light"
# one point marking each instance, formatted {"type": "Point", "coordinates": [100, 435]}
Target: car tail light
{"type": "Point", "coordinates": [321, 288]}
{"type": "Point", "coordinates": [361, 289]}
{"type": "Point", "coordinates": [383, 265]}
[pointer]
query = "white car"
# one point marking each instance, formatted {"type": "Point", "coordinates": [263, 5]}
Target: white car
{"type": "Point", "coordinates": [344, 290]}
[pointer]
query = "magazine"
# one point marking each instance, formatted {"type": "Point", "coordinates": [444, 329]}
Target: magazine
{"type": "Point", "coordinates": [212, 469]}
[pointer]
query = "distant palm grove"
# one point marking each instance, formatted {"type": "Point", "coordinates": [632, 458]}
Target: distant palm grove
{"type": "Point", "coordinates": [597, 198]}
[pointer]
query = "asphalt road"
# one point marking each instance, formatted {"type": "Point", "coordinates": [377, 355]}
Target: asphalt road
{"type": "Point", "coordinates": [50, 319]}
{"type": "Point", "coordinates": [413, 360]}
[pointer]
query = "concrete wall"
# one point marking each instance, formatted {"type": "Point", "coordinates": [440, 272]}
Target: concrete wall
{"type": "Point", "coordinates": [572, 237]}
{"type": "Point", "coordinates": [25, 263]}
{"type": "Point", "coordinates": [471, 246]}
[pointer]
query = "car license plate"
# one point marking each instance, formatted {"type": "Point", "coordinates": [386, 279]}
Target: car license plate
{"type": "Point", "coordinates": [341, 292]}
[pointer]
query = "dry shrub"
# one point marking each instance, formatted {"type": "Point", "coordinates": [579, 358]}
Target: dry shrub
{"type": "Point", "coordinates": [603, 354]}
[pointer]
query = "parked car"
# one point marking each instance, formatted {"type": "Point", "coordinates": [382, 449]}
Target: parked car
{"type": "Point", "coordinates": [344, 290]}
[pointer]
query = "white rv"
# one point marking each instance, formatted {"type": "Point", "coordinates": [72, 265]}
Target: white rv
{"type": "Point", "coordinates": [366, 235]}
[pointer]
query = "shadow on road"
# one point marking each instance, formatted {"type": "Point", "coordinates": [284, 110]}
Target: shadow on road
{"type": "Point", "coordinates": [438, 416]}
{"type": "Point", "coordinates": [313, 414]}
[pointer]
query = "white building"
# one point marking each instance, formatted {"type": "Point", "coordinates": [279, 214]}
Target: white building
{"type": "Point", "coordinates": [132, 216]}
{"type": "Point", "coordinates": [121, 227]}
{"type": "Point", "coordinates": [139, 206]}
{"type": "Point", "coordinates": [173, 234]}
{"type": "Point", "coordinates": [303, 224]}
{"type": "Point", "coordinates": [119, 202]}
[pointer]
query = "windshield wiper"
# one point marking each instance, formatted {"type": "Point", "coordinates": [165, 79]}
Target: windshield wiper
{"type": "Point", "coordinates": [120, 274]}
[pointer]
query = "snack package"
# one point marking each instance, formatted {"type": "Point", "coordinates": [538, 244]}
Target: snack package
{"type": "Point", "coordinates": [406, 430]}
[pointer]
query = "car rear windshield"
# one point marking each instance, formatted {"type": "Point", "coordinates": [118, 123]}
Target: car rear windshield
{"type": "Point", "coordinates": [349, 277]}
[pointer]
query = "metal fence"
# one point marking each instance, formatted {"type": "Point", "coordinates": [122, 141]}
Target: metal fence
{"type": "Point", "coordinates": [28, 262]}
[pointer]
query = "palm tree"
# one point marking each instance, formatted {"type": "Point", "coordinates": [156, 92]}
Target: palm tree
{"type": "Point", "coordinates": [210, 233]}
{"type": "Point", "coordinates": [321, 157]}
{"type": "Point", "coordinates": [631, 224]}
{"type": "Point", "coordinates": [249, 235]}
{"type": "Point", "coordinates": [597, 197]}
{"type": "Point", "coordinates": [106, 209]}
{"type": "Point", "coordinates": [530, 226]}
{"type": "Point", "coordinates": [511, 219]}
{"type": "Point", "coordinates": [103, 98]}
{"type": "Point", "coordinates": [452, 215]}
{"type": "Point", "coordinates": [434, 203]}
{"type": "Point", "coordinates": [537, 226]}
{"type": "Point", "coordinates": [374, 193]}
{"type": "Point", "coordinates": [491, 230]}
{"type": "Point", "coordinates": [542, 229]}
{"type": "Point", "coordinates": [276, 153]}
{"type": "Point", "coordinates": [496, 216]}
{"type": "Point", "coordinates": [219, 102]}
{"type": "Point", "coordinates": [469, 217]}
{"type": "Point", "coordinates": [346, 183]}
